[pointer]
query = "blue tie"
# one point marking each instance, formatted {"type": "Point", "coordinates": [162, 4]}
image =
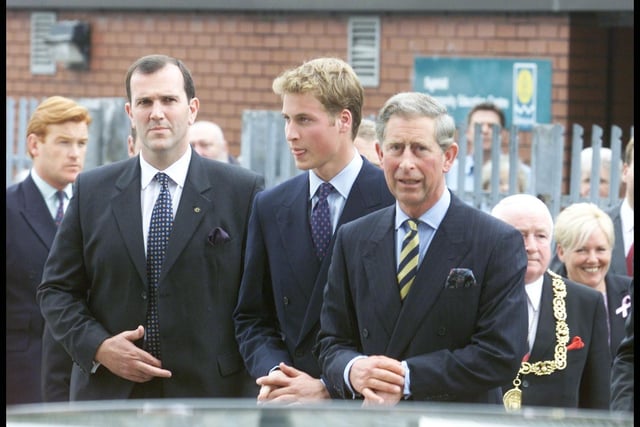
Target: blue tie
{"type": "Point", "coordinates": [321, 229]}
{"type": "Point", "coordinates": [159, 230]}
{"type": "Point", "coordinates": [60, 212]}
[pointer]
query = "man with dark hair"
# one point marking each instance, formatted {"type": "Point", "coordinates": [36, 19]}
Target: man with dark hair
{"type": "Point", "coordinates": [484, 117]}
{"type": "Point", "coordinates": [143, 276]}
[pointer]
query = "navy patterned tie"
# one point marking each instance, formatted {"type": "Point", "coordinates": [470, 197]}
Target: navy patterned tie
{"type": "Point", "coordinates": [60, 213]}
{"type": "Point", "coordinates": [409, 256]}
{"type": "Point", "coordinates": [159, 230]}
{"type": "Point", "coordinates": [321, 229]}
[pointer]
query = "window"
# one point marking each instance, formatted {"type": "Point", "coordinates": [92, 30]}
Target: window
{"type": "Point", "coordinates": [41, 60]}
{"type": "Point", "coordinates": [364, 49]}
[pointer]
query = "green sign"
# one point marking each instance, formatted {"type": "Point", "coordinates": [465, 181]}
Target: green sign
{"type": "Point", "coordinates": [520, 87]}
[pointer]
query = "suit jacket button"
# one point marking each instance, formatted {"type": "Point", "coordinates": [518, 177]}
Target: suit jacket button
{"type": "Point", "coordinates": [144, 295]}
{"type": "Point", "coordinates": [285, 300]}
{"type": "Point", "coordinates": [442, 330]}
{"type": "Point", "coordinates": [525, 384]}
{"type": "Point", "coordinates": [365, 333]}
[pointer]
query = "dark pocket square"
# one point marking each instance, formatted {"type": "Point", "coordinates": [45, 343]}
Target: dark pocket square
{"type": "Point", "coordinates": [460, 278]}
{"type": "Point", "coordinates": [218, 236]}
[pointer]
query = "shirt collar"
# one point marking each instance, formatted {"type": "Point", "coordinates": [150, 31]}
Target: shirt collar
{"type": "Point", "coordinates": [46, 189]}
{"type": "Point", "coordinates": [626, 216]}
{"type": "Point", "coordinates": [534, 292]}
{"type": "Point", "coordinates": [433, 217]}
{"type": "Point", "coordinates": [343, 181]}
{"type": "Point", "coordinates": [177, 171]}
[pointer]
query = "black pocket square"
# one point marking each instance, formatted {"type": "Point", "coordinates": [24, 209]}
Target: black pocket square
{"type": "Point", "coordinates": [460, 278]}
{"type": "Point", "coordinates": [218, 236]}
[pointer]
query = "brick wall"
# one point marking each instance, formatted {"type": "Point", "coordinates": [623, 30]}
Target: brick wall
{"type": "Point", "coordinates": [235, 56]}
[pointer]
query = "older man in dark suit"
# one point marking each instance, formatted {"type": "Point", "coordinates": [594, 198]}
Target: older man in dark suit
{"type": "Point", "coordinates": [424, 299]}
{"type": "Point", "coordinates": [568, 359]}
{"type": "Point", "coordinates": [131, 334]}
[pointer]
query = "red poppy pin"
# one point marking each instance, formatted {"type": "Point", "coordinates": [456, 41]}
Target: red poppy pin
{"type": "Point", "coordinates": [576, 343]}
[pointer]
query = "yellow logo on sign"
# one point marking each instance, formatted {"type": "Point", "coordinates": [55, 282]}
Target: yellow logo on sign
{"type": "Point", "coordinates": [524, 86]}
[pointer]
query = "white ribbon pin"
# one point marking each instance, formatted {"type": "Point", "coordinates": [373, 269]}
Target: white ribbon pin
{"type": "Point", "coordinates": [624, 306]}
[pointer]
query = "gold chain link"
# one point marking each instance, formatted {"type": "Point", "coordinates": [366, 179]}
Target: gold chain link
{"type": "Point", "coordinates": [546, 367]}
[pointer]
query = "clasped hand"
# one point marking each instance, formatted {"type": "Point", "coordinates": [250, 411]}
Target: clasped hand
{"type": "Point", "coordinates": [290, 385]}
{"type": "Point", "coordinates": [121, 356]}
{"type": "Point", "coordinates": [379, 379]}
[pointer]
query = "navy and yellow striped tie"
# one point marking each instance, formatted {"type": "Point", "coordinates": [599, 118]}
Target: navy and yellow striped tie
{"type": "Point", "coordinates": [409, 256]}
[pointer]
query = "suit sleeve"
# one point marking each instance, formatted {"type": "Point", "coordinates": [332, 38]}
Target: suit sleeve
{"type": "Point", "coordinates": [338, 340]}
{"type": "Point", "coordinates": [255, 318]}
{"type": "Point", "coordinates": [56, 369]}
{"type": "Point", "coordinates": [64, 290]}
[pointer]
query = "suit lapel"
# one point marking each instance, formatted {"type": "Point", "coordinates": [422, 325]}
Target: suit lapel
{"type": "Point", "coordinates": [198, 198]}
{"type": "Point", "coordinates": [129, 218]}
{"type": "Point", "coordinates": [36, 213]}
{"type": "Point", "coordinates": [618, 256]}
{"type": "Point", "coordinates": [445, 251]}
{"type": "Point", "coordinates": [364, 197]}
{"type": "Point", "coordinates": [294, 215]}
{"type": "Point", "coordinates": [546, 330]}
{"type": "Point", "coordinates": [385, 292]}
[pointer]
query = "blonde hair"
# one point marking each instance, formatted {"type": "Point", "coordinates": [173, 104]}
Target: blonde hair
{"type": "Point", "coordinates": [521, 178]}
{"type": "Point", "coordinates": [577, 222]}
{"type": "Point", "coordinates": [628, 152]}
{"type": "Point", "coordinates": [56, 110]}
{"type": "Point", "coordinates": [331, 81]}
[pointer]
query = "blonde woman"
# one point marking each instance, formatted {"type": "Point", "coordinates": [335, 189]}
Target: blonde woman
{"type": "Point", "coordinates": [584, 243]}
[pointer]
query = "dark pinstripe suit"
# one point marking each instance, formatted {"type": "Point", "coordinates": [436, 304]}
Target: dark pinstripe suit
{"type": "Point", "coordinates": [460, 343]}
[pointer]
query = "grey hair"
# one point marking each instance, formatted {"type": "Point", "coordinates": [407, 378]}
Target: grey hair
{"type": "Point", "coordinates": [416, 104]}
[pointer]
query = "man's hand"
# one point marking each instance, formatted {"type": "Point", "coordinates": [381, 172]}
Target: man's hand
{"type": "Point", "coordinates": [290, 385]}
{"type": "Point", "coordinates": [379, 379]}
{"type": "Point", "coordinates": [121, 356]}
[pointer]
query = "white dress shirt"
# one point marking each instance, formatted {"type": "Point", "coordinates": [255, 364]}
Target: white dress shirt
{"type": "Point", "coordinates": [150, 188]}
{"type": "Point", "coordinates": [49, 193]}
{"type": "Point", "coordinates": [534, 296]}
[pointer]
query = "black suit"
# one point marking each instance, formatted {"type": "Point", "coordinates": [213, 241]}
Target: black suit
{"type": "Point", "coordinates": [30, 232]}
{"type": "Point", "coordinates": [584, 382]}
{"type": "Point", "coordinates": [94, 283]}
{"type": "Point", "coordinates": [461, 339]}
